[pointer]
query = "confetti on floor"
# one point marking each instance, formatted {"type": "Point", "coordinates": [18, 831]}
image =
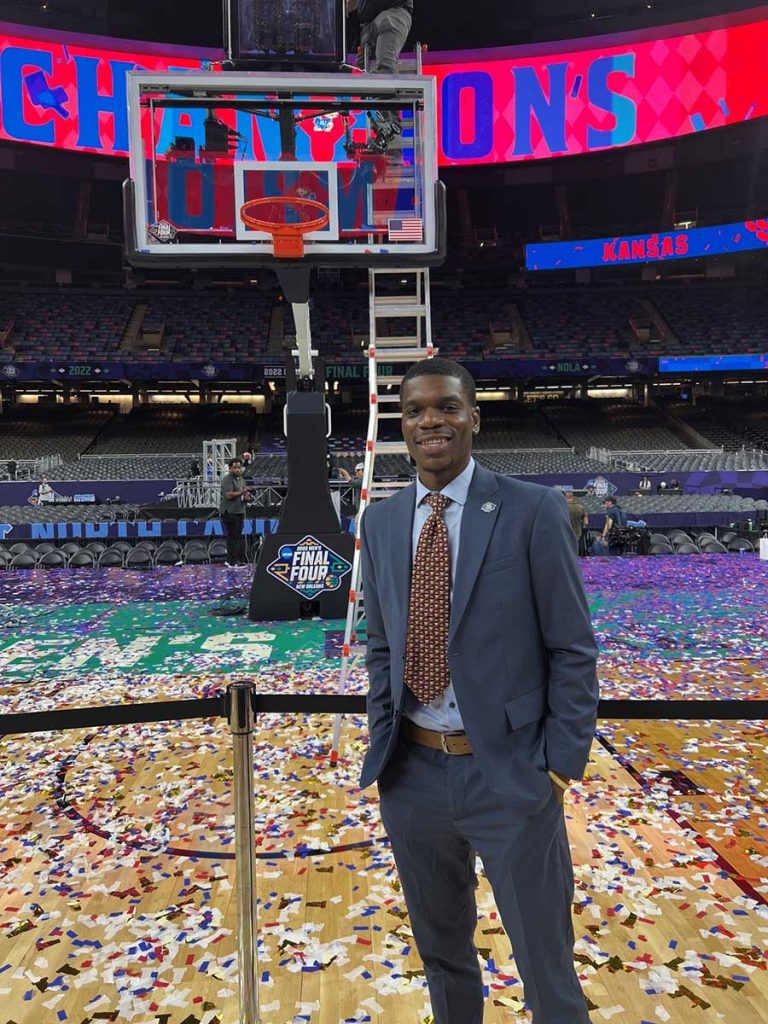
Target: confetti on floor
{"type": "Point", "coordinates": [116, 844]}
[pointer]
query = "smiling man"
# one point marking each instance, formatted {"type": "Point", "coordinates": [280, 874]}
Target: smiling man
{"type": "Point", "coordinates": [482, 702]}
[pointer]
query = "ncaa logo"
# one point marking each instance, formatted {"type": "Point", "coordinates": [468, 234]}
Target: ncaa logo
{"type": "Point", "coordinates": [324, 122]}
{"type": "Point", "coordinates": [309, 568]}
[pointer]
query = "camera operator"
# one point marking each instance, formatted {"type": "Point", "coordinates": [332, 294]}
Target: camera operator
{"type": "Point", "coordinates": [234, 493]}
{"type": "Point", "coordinates": [384, 28]}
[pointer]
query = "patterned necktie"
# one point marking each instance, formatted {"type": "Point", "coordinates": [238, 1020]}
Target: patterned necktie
{"type": "Point", "coordinates": [426, 648]}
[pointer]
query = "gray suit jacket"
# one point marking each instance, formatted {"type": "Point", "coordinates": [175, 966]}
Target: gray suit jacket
{"type": "Point", "coordinates": [521, 650]}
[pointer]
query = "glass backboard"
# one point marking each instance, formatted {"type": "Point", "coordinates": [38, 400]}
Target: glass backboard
{"type": "Point", "coordinates": [205, 144]}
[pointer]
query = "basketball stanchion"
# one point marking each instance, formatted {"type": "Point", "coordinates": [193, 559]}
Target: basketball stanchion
{"type": "Point", "coordinates": [241, 724]}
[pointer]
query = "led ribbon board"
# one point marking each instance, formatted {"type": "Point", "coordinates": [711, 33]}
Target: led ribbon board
{"type": "Point", "coordinates": [495, 106]}
{"type": "Point", "coordinates": [713, 364]}
{"type": "Point", "coordinates": [743, 236]}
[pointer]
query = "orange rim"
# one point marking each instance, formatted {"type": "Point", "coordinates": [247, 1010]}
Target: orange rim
{"type": "Point", "coordinates": [288, 239]}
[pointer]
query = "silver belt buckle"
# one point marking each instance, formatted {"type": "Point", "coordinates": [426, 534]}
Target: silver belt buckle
{"type": "Point", "coordinates": [444, 739]}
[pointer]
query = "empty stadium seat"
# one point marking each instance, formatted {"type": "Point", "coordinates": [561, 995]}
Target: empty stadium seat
{"type": "Point", "coordinates": [53, 559]}
{"type": "Point", "coordinates": [138, 558]}
{"type": "Point", "coordinates": [110, 559]}
{"type": "Point", "coordinates": [24, 560]}
{"type": "Point", "coordinates": [195, 556]}
{"type": "Point", "coordinates": [712, 547]}
{"type": "Point", "coordinates": [739, 544]}
{"type": "Point", "coordinates": [82, 560]}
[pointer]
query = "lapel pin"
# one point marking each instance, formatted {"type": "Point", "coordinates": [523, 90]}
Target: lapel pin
{"type": "Point", "coordinates": [487, 507]}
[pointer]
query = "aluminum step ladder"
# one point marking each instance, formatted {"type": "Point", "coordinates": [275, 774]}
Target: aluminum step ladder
{"type": "Point", "coordinates": [387, 357]}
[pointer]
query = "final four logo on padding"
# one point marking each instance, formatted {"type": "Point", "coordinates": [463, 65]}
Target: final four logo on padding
{"type": "Point", "coordinates": [309, 567]}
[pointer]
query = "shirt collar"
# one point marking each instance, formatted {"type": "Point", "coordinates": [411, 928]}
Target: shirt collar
{"type": "Point", "coordinates": [457, 490]}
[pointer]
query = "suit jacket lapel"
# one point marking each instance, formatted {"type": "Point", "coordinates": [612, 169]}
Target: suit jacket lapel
{"type": "Point", "coordinates": [476, 529]}
{"type": "Point", "coordinates": [400, 551]}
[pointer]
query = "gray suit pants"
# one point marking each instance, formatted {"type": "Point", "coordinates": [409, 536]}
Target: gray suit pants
{"type": "Point", "coordinates": [384, 38]}
{"type": "Point", "coordinates": [438, 812]}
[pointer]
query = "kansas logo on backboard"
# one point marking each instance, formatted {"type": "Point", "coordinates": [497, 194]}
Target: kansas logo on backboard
{"type": "Point", "coordinates": [309, 567]}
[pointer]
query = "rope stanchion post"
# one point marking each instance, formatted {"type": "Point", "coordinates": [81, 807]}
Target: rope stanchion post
{"type": "Point", "coordinates": [241, 724]}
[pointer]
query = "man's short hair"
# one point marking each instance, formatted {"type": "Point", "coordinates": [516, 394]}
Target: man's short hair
{"type": "Point", "coordinates": [233, 461]}
{"type": "Point", "coordinates": [438, 367]}
{"type": "Point", "coordinates": [609, 501]}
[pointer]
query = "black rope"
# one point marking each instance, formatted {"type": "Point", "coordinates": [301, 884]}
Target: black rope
{"type": "Point", "coordinates": [115, 714]}
{"type": "Point", "coordinates": [324, 704]}
{"type": "Point", "coordinates": [686, 710]}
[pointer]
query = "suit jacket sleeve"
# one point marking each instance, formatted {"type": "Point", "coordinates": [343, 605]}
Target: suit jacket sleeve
{"type": "Point", "coordinates": [377, 658]}
{"type": "Point", "coordinates": [566, 629]}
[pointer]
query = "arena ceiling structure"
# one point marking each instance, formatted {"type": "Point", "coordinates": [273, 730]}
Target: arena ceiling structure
{"type": "Point", "coordinates": [442, 26]}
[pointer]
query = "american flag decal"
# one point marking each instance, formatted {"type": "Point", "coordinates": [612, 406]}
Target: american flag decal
{"type": "Point", "coordinates": [405, 229]}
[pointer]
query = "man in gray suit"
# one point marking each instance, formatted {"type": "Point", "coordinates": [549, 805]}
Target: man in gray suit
{"type": "Point", "coordinates": [482, 702]}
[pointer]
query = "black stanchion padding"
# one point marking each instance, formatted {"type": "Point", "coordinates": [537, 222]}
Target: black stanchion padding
{"type": "Point", "coordinates": [286, 593]}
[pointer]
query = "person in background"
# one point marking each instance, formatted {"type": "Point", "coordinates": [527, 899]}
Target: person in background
{"type": "Point", "coordinates": [11, 467]}
{"type": "Point", "coordinates": [615, 517]}
{"type": "Point", "coordinates": [645, 485]}
{"type": "Point", "coordinates": [356, 483]}
{"type": "Point", "coordinates": [674, 486]}
{"type": "Point", "coordinates": [194, 469]}
{"type": "Point", "coordinates": [45, 494]}
{"type": "Point", "coordinates": [232, 510]}
{"type": "Point", "coordinates": [336, 473]}
{"type": "Point", "coordinates": [384, 28]}
{"type": "Point", "coordinates": [579, 518]}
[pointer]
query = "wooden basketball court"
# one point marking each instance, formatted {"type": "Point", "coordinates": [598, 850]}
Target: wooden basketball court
{"type": "Point", "coordinates": [117, 844]}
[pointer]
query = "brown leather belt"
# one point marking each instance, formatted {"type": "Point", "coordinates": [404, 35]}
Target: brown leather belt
{"type": "Point", "coordinates": [448, 742]}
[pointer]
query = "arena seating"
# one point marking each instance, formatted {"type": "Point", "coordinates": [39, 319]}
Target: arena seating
{"type": "Point", "coordinates": [68, 512]}
{"type": "Point", "coordinates": [226, 327]}
{"type": "Point", "coordinates": [571, 322]}
{"type": "Point", "coordinates": [746, 417]}
{"type": "Point", "coordinates": [539, 462]}
{"type": "Point", "coordinates": [126, 467]}
{"type": "Point", "coordinates": [706, 462]}
{"type": "Point", "coordinates": [159, 441]}
{"type": "Point", "coordinates": [575, 323]}
{"type": "Point", "coordinates": [81, 325]}
{"type": "Point", "coordinates": [509, 424]}
{"type": "Point", "coordinates": [721, 318]}
{"type": "Point", "coordinates": [174, 428]}
{"type": "Point", "coordinates": [638, 507]}
{"type": "Point", "coordinates": [35, 431]}
{"type": "Point", "coordinates": [618, 426]}
{"type": "Point", "coordinates": [74, 326]}
{"type": "Point", "coordinates": [141, 555]}
{"type": "Point", "coordinates": [707, 420]}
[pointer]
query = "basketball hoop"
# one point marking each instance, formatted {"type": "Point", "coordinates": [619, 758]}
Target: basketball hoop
{"type": "Point", "coordinates": [288, 238]}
